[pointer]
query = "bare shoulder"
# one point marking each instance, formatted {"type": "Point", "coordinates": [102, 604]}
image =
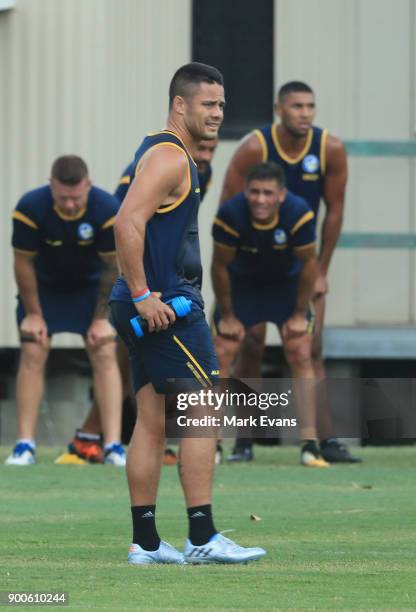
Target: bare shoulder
{"type": "Point", "coordinates": [165, 158]}
{"type": "Point", "coordinates": [249, 151]}
{"type": "Point", "coordinates": [334, 144]}
{"type": "Point", "coordinates": [250, 143]}
{"type": "Point", "coordinates": [335, 154]}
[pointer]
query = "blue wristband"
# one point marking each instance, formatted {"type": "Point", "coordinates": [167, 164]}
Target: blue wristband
{"type": "Point", "coordinates": [142, 297]}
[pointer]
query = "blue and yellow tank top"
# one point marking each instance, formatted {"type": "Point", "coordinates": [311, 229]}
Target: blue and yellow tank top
{"type": "Point", "coordinates": [166, 232]}
{"type": "Point", "coordinates": [305, 173]}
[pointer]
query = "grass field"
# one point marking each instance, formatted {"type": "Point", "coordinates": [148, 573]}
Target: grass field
{"type": "Point", "coordinates": [340, 538]}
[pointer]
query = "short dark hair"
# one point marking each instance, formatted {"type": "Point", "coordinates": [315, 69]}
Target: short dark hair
{"type": "Point", "coordinates": [293, 87]}
{"type": "Point", "coordinates": [267, 171]}
{"type": "Point", "coordinates": [187, 77]}
{"type": "Point", "coordinates": [69, 169]}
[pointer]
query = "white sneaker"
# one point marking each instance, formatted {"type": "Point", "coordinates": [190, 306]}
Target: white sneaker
{"type": "Point", "coordinates": [221, 550]}
{"type": "Point", "coordinates": [164, 554]}
{"type": "Point", "coordinates": [23, 454]}
{"type": "Point", "coordinates": [115, 455]}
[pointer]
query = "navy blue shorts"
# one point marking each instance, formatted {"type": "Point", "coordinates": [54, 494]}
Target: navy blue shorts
{"type": "Point", "coordinates": [184, 352]}
{"type": "Point", "coordinates": [70, 311]}
{"type": "Point", "coordinates": [268, 303]}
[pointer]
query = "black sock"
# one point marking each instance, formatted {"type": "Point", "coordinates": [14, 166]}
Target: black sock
{"type": "Point", "coordinates": [311, 446]}
{"type": "Point", "coordinates": [201, 525]}
{"type": "Point", "coordinates": [144, 527]}
{"type": "Point", "coordinates": [332, 440]}
{"type": "Point", "coordinates": [243, 443]}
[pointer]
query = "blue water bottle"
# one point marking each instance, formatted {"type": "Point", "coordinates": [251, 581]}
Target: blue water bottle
{"type": "Point", "coordinates": [180, 304]}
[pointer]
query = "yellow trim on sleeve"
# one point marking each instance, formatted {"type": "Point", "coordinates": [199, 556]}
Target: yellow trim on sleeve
{"type": "Point", "coordinates": [306, 217]}
{"type": "Point", "coordinates": [125, 180]}
{"type": "Point", "coordinates": [324, 137]}
{"type": "Point", "coordinates": [24, 219]}
{"type": "Point", "coordinates": [108, 223]}
{"type": "Point", "coordinates": [107, 253]}
{"type": "Point", "coordinates": [283, 155]}
{"type": "Point", "coordinates": [226, 227]}
{"type": "Point", "coordinates": [25, 252]}
{"type": "Point", "coordinates": [263, 145]}
{"type": "Point", "coordinates": [192, 358]}
{"type": "Point", "coordinates": [279, 247]}
{"type": "Point", "coordinates": [304, 246]}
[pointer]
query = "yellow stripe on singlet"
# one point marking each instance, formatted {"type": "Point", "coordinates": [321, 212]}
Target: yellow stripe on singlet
{"type": "Point", "coordinates": [165, 208]}
{"type": "Point", "coordinates": [263, 144]}
{"type": "Point", "coordinates": [283, 155]}
{"type": "Point", "coordinates": [323, 150]}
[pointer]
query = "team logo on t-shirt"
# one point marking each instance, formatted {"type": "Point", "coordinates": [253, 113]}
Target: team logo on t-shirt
{"type": "Point", "coordinates": [280, 236]}
{"type": "Point", "coordinates": [310, 163]}
{"type": "Point", "coordinates": [85, 231]}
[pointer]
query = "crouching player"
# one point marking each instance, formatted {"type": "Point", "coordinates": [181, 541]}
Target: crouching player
{"type": "Point", "coordinates": [263, 269]}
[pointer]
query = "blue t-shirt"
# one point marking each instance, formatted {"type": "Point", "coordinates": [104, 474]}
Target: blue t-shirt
{"type": "Point", "coordinates": [66, 250]}
{"type": "Point", "coordinates": [265, 253]}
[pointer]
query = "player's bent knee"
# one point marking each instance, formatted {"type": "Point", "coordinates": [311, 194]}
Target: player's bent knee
{"type": "Point", "coordinates": [103, 356]}
{"type": "Point", "coordinates": [299, 357]}
{"type": "Point", "coordinates": [226, 350]}
{"type": "Point", "coordinates": [253, 345]}
{"type": "Point", "coordinates": [33, 355]}
{"type": "Point", "coordinates": [317, 350]}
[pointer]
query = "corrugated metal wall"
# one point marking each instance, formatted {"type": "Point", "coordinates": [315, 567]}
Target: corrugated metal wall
{"type": "Point", "coordinates": [79, 76]}
{"type": "Point", "coordinates": [360, 59]}
{"type": "Point", "coordinates": [91, 76]}
{"type": "Point", "coordinates": [359, 56]}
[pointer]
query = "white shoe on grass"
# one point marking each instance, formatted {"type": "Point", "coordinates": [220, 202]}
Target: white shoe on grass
{"type": "Point", "coordinates": [23, 454]}
{"type": "Point", "coordinates": [220, 549]}
{"type": "Point", "coordinates": [115, 455]}
{"type": "Point", "coordinates": [164, 554]}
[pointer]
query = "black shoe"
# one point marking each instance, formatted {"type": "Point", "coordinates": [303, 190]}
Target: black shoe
{"type": "Point", "coordinates": [241, 453]}
{"type": "Point", "coordinates": [310, 455]}
{"type": "Point", "coordinates": [335, 452]}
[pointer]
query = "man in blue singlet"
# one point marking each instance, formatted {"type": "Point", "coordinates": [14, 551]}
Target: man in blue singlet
{"type": "Point", "coordinates": [86, 443]}
{"type": "Point", "coordinates": [151, 231]}
{"type": "Point", "coordinates": [315, 166]}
